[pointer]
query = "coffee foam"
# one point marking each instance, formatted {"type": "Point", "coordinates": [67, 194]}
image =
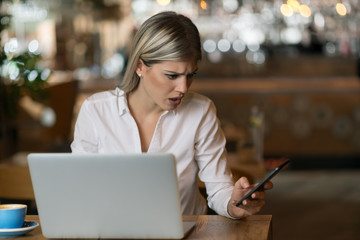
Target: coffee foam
{"type": "Point", "coordinates": [11, 206]}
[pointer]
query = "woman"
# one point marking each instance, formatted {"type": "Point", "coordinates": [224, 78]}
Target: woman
{"type": "Point", "coordinates": [152, 111]}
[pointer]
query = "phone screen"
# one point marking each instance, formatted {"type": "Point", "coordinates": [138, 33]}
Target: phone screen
{"type": "Point", "coordinates": [260, 186]}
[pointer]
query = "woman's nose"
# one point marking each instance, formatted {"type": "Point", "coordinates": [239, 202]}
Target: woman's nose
{"type": "Point", "coordinates": [182, 85]}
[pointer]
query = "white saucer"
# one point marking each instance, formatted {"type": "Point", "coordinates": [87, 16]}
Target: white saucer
{"type": "Point", "coordinates": [13, 232]}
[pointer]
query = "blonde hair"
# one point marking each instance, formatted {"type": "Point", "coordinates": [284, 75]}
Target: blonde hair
{"type": "Point", "coordinates": [166, 36]}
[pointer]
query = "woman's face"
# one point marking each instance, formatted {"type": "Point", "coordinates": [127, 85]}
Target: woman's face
{"type": "Point", "coordinates": [164, 84]}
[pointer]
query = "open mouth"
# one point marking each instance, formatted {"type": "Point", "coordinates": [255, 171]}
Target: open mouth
{"type": "Point", "coordinates": [175, 101]}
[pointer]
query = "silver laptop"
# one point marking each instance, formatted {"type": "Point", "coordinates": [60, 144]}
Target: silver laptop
{"type": "Point", "coordinates": [107, 195]}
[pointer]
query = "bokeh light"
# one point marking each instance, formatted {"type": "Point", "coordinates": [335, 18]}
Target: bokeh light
{"type": "Point", "coordinates": [305, 10]}
{"type": "Point", "coordinates": [286, 10]}
{"type": "Point", "coordinates": [163, 2]}
{"type": "Point", "coordinates": [209, 45]}
{"type": "Point", "coordinates": [203, 5]}
{"type": "Point", "coordinates": [341, 9]}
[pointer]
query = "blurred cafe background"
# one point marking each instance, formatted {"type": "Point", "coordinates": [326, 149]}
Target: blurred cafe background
{"type": "Point", "coordinates": [283, 74]}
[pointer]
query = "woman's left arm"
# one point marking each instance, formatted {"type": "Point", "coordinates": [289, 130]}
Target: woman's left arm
{"type": "Point", "coordinates": [216, 174]}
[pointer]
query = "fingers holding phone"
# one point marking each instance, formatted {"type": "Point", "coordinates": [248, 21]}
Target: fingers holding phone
{"type": "Point", "coordinates": [261, 186]}
{"type": "Point", "coordinates": [252, 204]}
{"type": "Point", "coordinates": [255, 193]}
{"type": "Point", "coordinates": [251, 196]}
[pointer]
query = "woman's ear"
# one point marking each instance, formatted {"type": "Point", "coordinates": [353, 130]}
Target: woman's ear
{"type": "Point", "coordinates": [140, 66]}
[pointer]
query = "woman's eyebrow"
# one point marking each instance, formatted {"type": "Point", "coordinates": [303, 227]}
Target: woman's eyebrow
{"type": "Point", "coordinates": [172, 72]}
{"type": "Point", "coordinates": [177, 73]}
{"type": "Point", "coordinates": [194, 71]}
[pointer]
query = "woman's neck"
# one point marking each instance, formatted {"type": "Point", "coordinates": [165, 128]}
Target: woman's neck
{"type": "Point", "coordinates": [146, 117]}
{"type": "Point", "coordinates": [140, 106]}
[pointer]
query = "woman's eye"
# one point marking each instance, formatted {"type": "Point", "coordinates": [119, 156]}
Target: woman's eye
{"type": "Point", "coordinates": [171, 76]}
{"type": "Point", "coordinates": [191, 75]}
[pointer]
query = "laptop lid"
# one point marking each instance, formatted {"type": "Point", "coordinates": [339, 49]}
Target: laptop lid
{"type": "Point", "coordinates": [107, 195]}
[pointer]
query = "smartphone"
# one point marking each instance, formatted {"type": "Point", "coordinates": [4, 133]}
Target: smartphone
{"type": "Point", "coordinates": [260, 186]}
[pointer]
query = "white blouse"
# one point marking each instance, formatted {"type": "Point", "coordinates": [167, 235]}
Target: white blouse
{"type": "Point", "coordinates": [191, 132]}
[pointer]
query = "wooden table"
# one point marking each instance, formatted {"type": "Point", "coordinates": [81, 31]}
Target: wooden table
{"type": "Point", "coordinates": [257, 227]}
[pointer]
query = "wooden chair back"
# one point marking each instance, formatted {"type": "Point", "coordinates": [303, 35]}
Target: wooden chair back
{"type": "Point", "coordinates": [15, 183]}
